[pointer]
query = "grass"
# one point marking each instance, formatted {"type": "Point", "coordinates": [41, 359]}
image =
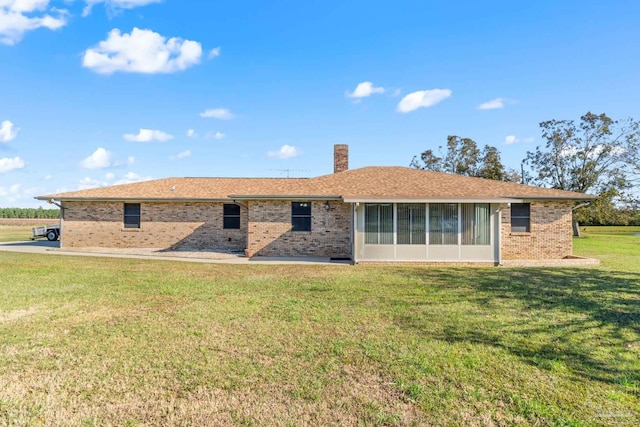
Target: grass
{"type": "Point", "coordinates": [15, 233]}
{"type": "Point", "coordinates": [101, 341]}
{"type": "Point", "coordinates": [610, 229]}
{"type": "Point", "coordinates": [618, 248]}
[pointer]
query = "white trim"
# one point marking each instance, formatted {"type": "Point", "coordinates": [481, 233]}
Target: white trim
{"type": "Point", "coordinates": [386, 200]}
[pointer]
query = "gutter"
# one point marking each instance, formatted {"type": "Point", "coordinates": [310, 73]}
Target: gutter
{"type": "Point", "coordinates": [581, 205]}
{"type": "Point", "coordinates": [583, 197]}
{"type": "Point", "coordinates": [285, 197]}
{"type": "Point", "coordinates": [133, 200]}
{"type": "Point", "coordinates": [422, 200]}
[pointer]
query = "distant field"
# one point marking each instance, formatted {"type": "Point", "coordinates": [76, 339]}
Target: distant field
{"type": "Point", "coordinates": [11, 233]}
{"type": "Point", "coordinates": [102, 341]}
{"type": "Point", "coordinates": [15, 230]}
{"type": "Point", "coordinates": [610, 229]}
{"type": "Point", "coordinates": [27, 222]}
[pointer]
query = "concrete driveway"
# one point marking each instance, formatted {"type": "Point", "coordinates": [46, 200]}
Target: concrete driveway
{"type": "Point", "coordinates": [46, 247]}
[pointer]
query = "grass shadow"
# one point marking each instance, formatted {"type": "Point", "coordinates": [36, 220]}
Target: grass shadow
{"type": "Point", "coordinates": [587, 320]}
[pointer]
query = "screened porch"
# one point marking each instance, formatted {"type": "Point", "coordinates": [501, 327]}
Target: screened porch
{"type": "Point", "coordinates": [426, 231]}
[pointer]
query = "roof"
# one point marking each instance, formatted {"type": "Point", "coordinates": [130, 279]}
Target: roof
{"type": "Point", "coordinates": [368, 183]}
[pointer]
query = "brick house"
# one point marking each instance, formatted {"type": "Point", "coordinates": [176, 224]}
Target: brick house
{"type": "Point", "coordinates": [381, 214]}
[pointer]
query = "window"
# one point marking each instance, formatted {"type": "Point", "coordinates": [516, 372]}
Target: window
{"type": "Point", "coordinates": [411, 224]}
{"type": "Point", "coordinates": [443, 224]}
{"type": "Point", "coordinates": [475, 224]}
{"type": "Point", "coordinates": [378, 224]}
{"type": "Point", "coordinates": [301, 216]}
{"type": "Point", "coordinates": [520, 217]}
{"type": "Point", "coordinates": [132, 215]}
{"type": "Point", "coordinates": [231, 216]}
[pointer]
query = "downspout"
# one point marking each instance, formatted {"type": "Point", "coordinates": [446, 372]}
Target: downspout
{"type": "Point", "coordinates": [352, 235]}
{"type": "Point", "coordinates": [61, 221]}
{"type": "Point", "coordinates": [574, 223]}
{"type": "Point", "coordinates": [235, 202]}
{"type": "Point", "coordinates": [499, 242]}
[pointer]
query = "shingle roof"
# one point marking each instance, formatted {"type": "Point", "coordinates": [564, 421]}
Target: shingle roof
{"type": "Point", "coordinates": [375, 182]}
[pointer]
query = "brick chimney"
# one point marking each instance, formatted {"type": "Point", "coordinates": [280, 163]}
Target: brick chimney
{"type": "Point", "coordinates": [340, 158]}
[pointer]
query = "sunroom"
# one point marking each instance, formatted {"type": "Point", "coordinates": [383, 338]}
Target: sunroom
{"type": "Point", "coordinates": [438, 231]}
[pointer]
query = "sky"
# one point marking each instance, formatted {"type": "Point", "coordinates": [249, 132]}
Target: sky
{"type": "Point", "coordinates": [104, 92]}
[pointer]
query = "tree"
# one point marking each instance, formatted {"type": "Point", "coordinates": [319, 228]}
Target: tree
{"type": "Point", "coordinates": [463, 157]}
{"type": "Point", "coordinates": [491, 166]}
{"type": "Point", "coordinates": [598, 155]}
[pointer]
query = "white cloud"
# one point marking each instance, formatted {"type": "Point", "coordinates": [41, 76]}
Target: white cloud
{"type": "Point", "coordinates": [215, 135]}
{"type": "Point", "coordinates": [422, 98]}
{"type": "Point", "coordinates": [285, 152]}
{"type": "Point", "coordinates": [19, 16]}
{"type": "Point", "coordinates": [364, 90]}
{"type": "Point", "coordinates": [116, 5]}
{"type": "Point", "coordinates": [131, 160]}
{"type": "Point", "coordinates": [16, 195]}
{"type": "Point", "coordinates": [109, 176]}
{"type": "Point", "coordinates": [493, 104]}
{"type": "Point", "coordinates": [100, 159]}
{"type": "Point", "coordinates": [131, 177]}
{"type": "Point", "coordinates": [141, 51]}
{"type": "Point", "coordinates": [148, 135]}
{"type": "Point", "coordinates": [87, 183]}
{"type": "Point", "coordinates": [218, 113]}
{"type": "Point", "coordinates": [48, 178]}
{"type": "Point", "coordinates": [215, 52]}
{"type": "Point", "coordinates": [181, 155]}
{"type": "Point", "coordinates": [8, 164]}
{"type": "Point", "coordinates": [192, 133]}
{"type": "Point", "coordinates": [8, 131]}
{"type": "Point", "coordinates": [9, 191]}
{"type": "Point", "coordinates": [512, 139]}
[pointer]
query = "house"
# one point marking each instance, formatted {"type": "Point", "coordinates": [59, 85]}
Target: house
{"type": "Point", "coordinates": [380, 214]}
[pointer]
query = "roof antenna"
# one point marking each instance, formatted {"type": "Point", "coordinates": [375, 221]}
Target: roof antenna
{"type": "Point", "coordinates": [288, 171]}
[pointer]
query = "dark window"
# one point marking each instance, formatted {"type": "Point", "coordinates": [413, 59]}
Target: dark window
{"type": "Point", "coordinates": [300, 216]}
{"type": "Point", "coordinates": [231, 217]}
{"type": "Point", "coordinates": [378, 224]}
{"type": "Point", "coordinates": [411, 224]}
{"type": "Point", "coordinates": [520, 217]}
{"type": "Point", "coordinates": [476, 224]}
{"type": "Point", "coordinates": [443, 224]}
{"type": "Point", "coordinates": [132, 215]}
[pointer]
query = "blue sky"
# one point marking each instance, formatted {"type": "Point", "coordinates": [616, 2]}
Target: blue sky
{"type": "Point", "coordinates": [100, 92]}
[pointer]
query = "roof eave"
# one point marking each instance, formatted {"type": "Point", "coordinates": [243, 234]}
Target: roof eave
{"type": "Point", "coordinates": [282, 197]}
{"type": "Point", "coordinates": [355, 199]}
{"type": "Point", "coordinates": [132, 199]}
{"type": "Point", "coordinates": [578, 196]}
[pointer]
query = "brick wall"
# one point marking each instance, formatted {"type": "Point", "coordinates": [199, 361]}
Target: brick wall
{"type": "Point", "coordinates": [550, 236]}
{"type": "Point", "coordinates": [270, 230]}
{"type": "Point", "coordinates": [162, 225]}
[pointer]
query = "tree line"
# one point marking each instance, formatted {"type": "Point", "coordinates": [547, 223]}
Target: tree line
{"type": "Point", "coordinates": [597, 155]}
{"type": "Point", "coordinates": [26, 213]}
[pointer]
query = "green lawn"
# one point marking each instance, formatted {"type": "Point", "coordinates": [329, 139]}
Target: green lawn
{"type": "Point", "coordinates": [14, 233]}
{"type": "Point", "coordinates": [618, 248]}
{"type": "Point", "coordinates": [102, 341]}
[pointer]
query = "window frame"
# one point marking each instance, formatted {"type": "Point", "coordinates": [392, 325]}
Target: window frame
{"type": "Point", "coordinates": [480, 231]}
{"type": "Point", "coordinates": [414, 230]}
{"type": "Point", "coordinates": [127, 216]}
{"type": "Point", "coordinates": [527, 227]}
{"type": "Point", "coordinates": [297, 225]}
{"type": "Point", "coordinates": [228, 217]}
{"type": "Point", "coordinates": [439, 235]}
{"type": "Point", "coordinates": [380, 233]}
